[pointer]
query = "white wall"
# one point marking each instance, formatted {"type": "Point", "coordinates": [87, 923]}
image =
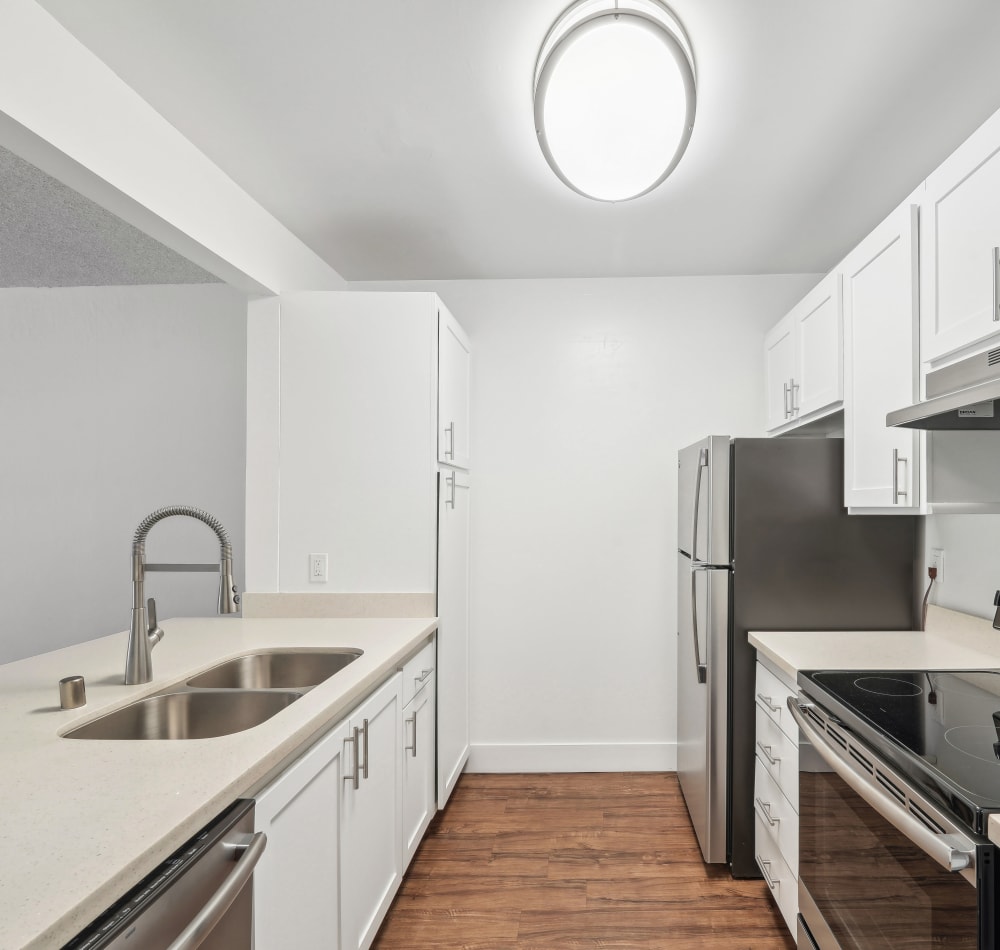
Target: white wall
{"type": "Point", "coordinates": [114, 401]}
{"type": "Point", "coordinates": [360, 486]}
{"type": "Point", "coordinates": [583, 391]}
{"type": "Point", "coordinates": [971, 575]}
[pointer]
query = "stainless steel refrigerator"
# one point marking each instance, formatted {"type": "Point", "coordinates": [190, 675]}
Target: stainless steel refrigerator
{"type": "Point", "coordinates": [764, 543]}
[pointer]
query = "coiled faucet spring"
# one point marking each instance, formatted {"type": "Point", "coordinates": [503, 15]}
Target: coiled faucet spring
{"type": "Point", "coordinates": [144, 633]}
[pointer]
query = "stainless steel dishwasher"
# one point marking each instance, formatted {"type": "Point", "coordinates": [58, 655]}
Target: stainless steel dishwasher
{"type": "Point", "coordinates": [201, 896]}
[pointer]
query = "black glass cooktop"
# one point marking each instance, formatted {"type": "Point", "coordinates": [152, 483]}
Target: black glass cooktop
{"type": "Point", "coordinates": [942, 730]}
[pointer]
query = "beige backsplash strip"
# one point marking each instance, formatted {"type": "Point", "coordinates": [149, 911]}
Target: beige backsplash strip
{"type": "Point", "coordinates": [338, 605]}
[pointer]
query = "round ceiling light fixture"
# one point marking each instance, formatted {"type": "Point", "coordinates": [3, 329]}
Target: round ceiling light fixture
{"type": "Point", "coordinates": [614, 94]}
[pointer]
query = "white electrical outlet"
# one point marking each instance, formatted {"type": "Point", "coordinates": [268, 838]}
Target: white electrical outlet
{"type": "Point", "coordinates": [937, 560]}
{"type": "Point", "coordinates": [317, 568]}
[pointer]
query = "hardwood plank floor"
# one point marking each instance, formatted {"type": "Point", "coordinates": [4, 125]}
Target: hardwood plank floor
{"type": "Point", "coordinates": [592, 861]}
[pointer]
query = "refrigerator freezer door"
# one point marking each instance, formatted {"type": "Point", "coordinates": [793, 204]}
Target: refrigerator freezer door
{"type": "Point", "coordinates": [702, 707]}
{"type": "Point", "coordinates": [703, 500]}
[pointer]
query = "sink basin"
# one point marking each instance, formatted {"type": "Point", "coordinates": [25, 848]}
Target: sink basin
{"type": "Point", "coordinates": [202, 715]}
{"type": "Point", "coordinates": [276, 669]}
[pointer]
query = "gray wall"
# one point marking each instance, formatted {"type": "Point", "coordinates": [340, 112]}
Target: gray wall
{"type": "Point", "coordinates": [114, 401]}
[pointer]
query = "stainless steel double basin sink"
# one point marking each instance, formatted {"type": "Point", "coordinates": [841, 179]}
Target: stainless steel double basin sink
{"type": "Point", "coordinates": [232, 696]}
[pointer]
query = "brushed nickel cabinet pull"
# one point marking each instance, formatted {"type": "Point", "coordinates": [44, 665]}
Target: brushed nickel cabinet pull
{"type": "Point", "coordinates": [412, 748]}
{"type": "Point", "coordinates": [898, 492]}
{"type": "Point", "coordinates": [765, 810]}
{"type": "Point", "coordinates": [765, 869]}
{"type": "Point", "coordinates": [768, 702]}
{"type": "Point", "coordinates": [996, 285]}
{"type": "Point", "coordinates": [355, 778]}
{"type": "Point", "coordinates": [766, 749]}
{"type": "Point", "coordinates": [364, 745]}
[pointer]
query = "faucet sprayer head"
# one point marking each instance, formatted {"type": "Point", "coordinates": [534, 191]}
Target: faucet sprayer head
{"type": "Point", "coordinates": [229, 599]}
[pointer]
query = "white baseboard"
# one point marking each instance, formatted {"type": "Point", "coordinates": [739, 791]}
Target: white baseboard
{"type": "Point", "coordinates": [574, 757]}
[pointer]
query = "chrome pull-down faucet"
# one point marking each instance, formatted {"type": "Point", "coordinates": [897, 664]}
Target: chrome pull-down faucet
{"type": "Point", "coordinates": [144, 632]}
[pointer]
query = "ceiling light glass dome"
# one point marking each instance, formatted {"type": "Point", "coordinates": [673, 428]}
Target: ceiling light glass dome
{"type": "Point", "coordinates": [614, 93]}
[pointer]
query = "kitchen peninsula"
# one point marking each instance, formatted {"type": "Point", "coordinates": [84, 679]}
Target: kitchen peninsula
{"type": "Point", "coordinates": [86, 820]}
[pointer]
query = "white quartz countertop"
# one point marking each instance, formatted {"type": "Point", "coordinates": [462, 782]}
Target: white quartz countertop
{"type": "Point", "coordinates": [952, 641]}
{"type": "Point", "coordinates": [85, 820]}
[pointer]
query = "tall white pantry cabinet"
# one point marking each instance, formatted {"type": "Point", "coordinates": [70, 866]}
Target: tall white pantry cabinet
{"type": "Point", "coordinates": [372, 435]}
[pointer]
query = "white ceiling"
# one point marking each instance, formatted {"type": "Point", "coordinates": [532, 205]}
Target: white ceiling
{"type": "Point", "coordinates": [395, 137]}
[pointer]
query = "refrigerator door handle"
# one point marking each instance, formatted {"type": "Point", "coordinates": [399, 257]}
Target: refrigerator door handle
{"type": "Point", "coordinates": [702, 463]}
{"type": "Point", "coordinates": [700, 668]}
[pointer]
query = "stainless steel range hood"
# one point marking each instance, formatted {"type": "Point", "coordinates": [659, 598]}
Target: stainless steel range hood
{"type": "Point", "coordinates": [965, 395]}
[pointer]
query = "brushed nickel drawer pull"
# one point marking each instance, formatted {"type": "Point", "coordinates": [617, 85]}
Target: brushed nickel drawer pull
{"type": "Point", "coordinates": [765, 869]}
{"type": "Point", "coordinates": [767, 701]}
{"type": "Point", "coordinates": [766, 749]}
{"type": "Point", "coordinates": [765, 810]}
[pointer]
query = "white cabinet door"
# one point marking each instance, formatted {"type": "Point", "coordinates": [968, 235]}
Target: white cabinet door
{"type": "Point", "coordinates": [803, 356]}
{"type": "Point", "coordinates": [819, 378]}
{"type": "Point", "coordinates": [371, 851]}
{"type": "Point", "coordinates": [454, 365]}
{"type": "Point", "coordinates": [453, 631]}
{"type": "Point", "coordinates": [779, 362]}
{"type": "Point", "coordinates": [960, 234]}
{"type": "Point", "coordinates": [296, 886]}
{"type": "Point", "coordinates": [881, 464]}
{"type": "Point", "coordinates": [419, 779]}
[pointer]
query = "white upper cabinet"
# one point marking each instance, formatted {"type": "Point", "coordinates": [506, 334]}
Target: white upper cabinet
{"type": "Point", "coordinates": [454, 361]}
{"type": "Point", "coordinates": [804, 359]}
{"type": "Point", "coordinates": [819, 384]}
{"type": "Point", "coordinates": [779, 358]}
{"type": "Point", "coordinates": [882, 464]}
{"type": "Point", "coordinates": [960, 238]}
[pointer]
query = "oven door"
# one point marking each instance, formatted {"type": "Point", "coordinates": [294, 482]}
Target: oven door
{"type": "Point", "coordinates": [879, 865]}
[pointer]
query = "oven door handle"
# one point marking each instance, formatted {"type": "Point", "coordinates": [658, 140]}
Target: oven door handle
{"type": "Point", "coordinates": [954, 852]}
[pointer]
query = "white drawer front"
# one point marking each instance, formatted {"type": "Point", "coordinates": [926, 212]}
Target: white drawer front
{"type": "Point", "coordinates": [772, 697]}
{"type": "Point", "coordinates": [781, 882]}
{"type": "Point", "coordinates": [779, 755]}
{"type": "Point", "coordinates": [781, 821]}
{"type": "Point", "coordinates": [417, 671]}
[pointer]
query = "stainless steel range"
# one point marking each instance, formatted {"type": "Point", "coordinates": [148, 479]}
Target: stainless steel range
{"type": "Point", "coordinates": [893, 849]}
